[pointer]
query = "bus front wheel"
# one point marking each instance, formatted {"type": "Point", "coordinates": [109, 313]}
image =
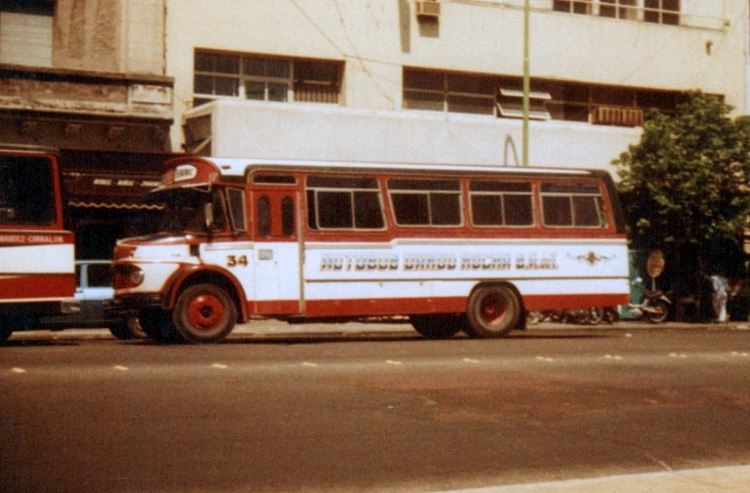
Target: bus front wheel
{"type": "Point", "coordinates": [156, 324]}
{"type": "Point", "coordinates": [204, 313]}
{"type": "Point", "coordinates": [493, 311]}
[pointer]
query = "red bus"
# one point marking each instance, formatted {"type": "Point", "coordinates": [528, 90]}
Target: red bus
{"type": "Point", "coordinates": [37, 254]}
{"type": "Point", "coordinates": [453, 248]}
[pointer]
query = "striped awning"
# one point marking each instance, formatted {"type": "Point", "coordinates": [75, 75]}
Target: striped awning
{"type": "Point", "coordinates": [101, 190]}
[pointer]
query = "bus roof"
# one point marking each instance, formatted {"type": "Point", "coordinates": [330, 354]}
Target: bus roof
{"type": "Point", "coordinates": [240, 166]}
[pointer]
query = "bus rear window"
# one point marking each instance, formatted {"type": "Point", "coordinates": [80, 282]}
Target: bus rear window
{"type": "Point", "coordinates": [27, 195]}
{"type": "Point", "coordinates": [425, 202]}
{"type": "Point", "coordinates": [572, 204]}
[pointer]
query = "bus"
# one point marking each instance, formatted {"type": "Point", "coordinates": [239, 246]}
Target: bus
{"type": "Point", "coordinates": [449, 248]}
{"type": "Point", "coordinates": [37, 253]}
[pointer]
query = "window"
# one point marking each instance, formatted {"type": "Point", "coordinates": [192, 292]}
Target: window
{"type": "Point", "coordinates": [574, 6]}
{"type": "Point", "coordinates": [264, 78]}
{"type": "Point", "coordinates": [656, 11]}
{"type": "Point", "coordinates": [571, 204]}
{"type": "Point", "coordinates": [98, 275]}
{"type": "Point", "coordinates": [343, 203]}
{"type": "Point", "coordinates": [288, 225]}
{"type": "Point", "coordinates": [264, 216]}
{"type": "Point", "coordinates": [425, 202]}
{"type": "Point", "coordinates": [662, 11]}
{"type": "Point", "coordinates": [502, 96]}
{"type": "Point", "coordinates": [621, 9]}
{"type": "Point", "coordinates": [501, 203]}
{"type": "Point", "coordinates": [27, 194]}
{"type": "Point", "coordinates": [26, 32]}
{"type": "Point", "coordinates": [236, 199]}
{"type": "Point", "coordinates": [453, 92]}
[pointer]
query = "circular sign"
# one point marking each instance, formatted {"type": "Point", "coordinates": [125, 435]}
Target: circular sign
{"type": "Point", "coordinates": [655, 263]}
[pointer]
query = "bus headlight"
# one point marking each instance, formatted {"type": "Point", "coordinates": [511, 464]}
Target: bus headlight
{"type": "Point", "coordinates": [127, 276]}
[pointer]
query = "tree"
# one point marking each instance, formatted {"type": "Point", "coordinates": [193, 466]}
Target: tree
{"type": "Point", "coordinates": [685, 184]}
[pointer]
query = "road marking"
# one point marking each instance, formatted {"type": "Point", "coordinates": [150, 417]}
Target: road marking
{"type": "Point", "coordinates": [740, 354]}
{"type": "Point", "coordinates": [17, 370]}
{"type": "Point", "coordinates": [544, 358]}
{"type": "Point", "coordinates": [612, 356]}
{"type": "Point", "coordinates": [678, 355]}
{"type": "Point", "coordinates": [219, 366]}
{"type": "Point", "coordinates": [307, 363]}
{"type": "Point", "coordinates": [469, 360]}
{"type": "Point", "coordinates": [120, 368]}
{"type": "Point", "coordinates": [391, 362]}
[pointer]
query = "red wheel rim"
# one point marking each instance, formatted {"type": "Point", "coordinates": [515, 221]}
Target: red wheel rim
{"type": "Point", "coordinates": [493, 309]}
{"type": "Point", "coordinates": [205, 312]}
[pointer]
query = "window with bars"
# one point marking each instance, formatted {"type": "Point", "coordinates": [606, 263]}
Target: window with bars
{"type": "Point", "coordinates": [263, 78]}
{"type": "Point", "coordinates": [655, 11]}
{"type": "Point", "coordinates": [501, 96]}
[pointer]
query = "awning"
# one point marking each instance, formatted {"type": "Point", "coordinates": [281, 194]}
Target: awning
{"type": "Point", "coordinates": [123, 191]}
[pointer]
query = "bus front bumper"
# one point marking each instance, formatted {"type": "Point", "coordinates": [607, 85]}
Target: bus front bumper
{"type": "Point", "coordinates": [129, 306]}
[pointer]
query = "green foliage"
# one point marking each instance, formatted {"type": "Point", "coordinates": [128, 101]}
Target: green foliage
{"type": "Point", "coordinates": [686, 182]}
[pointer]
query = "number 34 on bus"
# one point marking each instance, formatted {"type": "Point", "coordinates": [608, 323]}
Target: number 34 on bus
{"type": "Point", "coordinates": [453, 248]}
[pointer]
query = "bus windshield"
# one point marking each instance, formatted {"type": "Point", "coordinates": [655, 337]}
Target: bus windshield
{"type": "Point", "coordinates": [185, 211]}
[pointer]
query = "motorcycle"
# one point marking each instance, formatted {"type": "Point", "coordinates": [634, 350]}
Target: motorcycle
{"type": "Point", "coordinates": [654, 307]}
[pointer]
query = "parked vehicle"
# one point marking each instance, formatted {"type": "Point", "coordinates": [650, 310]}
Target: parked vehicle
{"type": "Point", "coordinates": [94, 279]}
{"type": "Point", "coordinates": [654, 307]}
{"type": "Point", "coordinates": [37, 254]}
{"type": "Point", "coordinates": [579, 316]}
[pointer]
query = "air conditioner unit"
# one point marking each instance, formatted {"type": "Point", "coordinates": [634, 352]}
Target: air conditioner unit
{"type": "Point", "coordinates": [428, 9]}
{"type": "Point", "coordinates": [632, 117]}
{"type": "Point", "coordinates": [607, 115]}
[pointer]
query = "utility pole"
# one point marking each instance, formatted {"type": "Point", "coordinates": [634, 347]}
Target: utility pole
{"type": "Point", "coordinates": [526, 84]}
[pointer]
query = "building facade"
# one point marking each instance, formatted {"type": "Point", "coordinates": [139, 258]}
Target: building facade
{"type": "Point", "coordinates": [118, 84]}
{"type": "Point", "coordinates": [88, 78]}
{"type": "Point", "coordinates": [440, 81]}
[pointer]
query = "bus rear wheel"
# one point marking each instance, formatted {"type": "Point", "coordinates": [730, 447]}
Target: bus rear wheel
{"type": "Point", "coordinates": [204, 313]}
{"type": "Point", "coordinates": [437, 326]}
{"type": "Point", "coordinates": [493, 311]}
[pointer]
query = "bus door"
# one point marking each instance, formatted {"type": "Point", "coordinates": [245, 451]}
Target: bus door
{"type": "Point", "coordinates": [277, 253]}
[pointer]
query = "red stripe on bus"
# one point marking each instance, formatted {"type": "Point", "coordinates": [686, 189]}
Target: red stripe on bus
{"type": "Point", "coordinates": [35, 286]}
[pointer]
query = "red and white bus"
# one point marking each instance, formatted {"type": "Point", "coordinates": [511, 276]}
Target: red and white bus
{"type": "Point", "coordinates": [37, 254]}
{"type": "Point", "coordinates": [452, 248]}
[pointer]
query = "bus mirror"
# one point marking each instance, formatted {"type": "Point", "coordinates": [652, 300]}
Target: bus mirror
{"type": "Point", "coordinates": [208, 214]}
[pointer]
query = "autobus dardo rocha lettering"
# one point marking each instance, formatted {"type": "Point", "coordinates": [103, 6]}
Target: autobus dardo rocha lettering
{"type": "Point", "coordinates": [453, 248]}
{"type": "Point", "coordinates": [37, 254]}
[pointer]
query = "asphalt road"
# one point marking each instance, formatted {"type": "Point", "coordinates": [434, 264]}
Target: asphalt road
{"type": "Point", "coordinates": [367, 411]}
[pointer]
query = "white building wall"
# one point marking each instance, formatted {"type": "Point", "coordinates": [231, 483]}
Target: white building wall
{"type": "Point", "coordinates": [267, 130]}
{"type": "Point", "coordinates": [377, 38]}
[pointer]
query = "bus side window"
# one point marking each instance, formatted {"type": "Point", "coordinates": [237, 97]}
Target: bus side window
{"type": "Point", "coordinates": [264, 216]}
{"type": "Point", "coordinates": [335, 202]}
{"type": "Point", "coordinates": [426, 202]}
{"type": "Point", "coordinates": [288, 226]}
{"type": "Point", "coordinates": [499, 203]}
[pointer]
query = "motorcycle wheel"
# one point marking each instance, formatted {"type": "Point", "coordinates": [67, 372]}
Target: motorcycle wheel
{"type": "Point", "coordinates": [658, 313]}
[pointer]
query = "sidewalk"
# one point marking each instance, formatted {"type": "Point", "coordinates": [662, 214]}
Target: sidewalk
{"type": "Point", "coordinates": [731, 479]}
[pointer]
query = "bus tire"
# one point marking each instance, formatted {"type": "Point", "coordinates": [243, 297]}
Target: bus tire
{"type": "Point", "coordinates": [204, 313]}
{"type": "Point", "coordinates": [121, 331]}
{"type": "Point", "coordinates": [157, 325]}
{"type": "Point", "coordinates": [5, 331]}
{"type": "Point", "coordinates": [493, 311]}
{"type": "Point", "coordinates": [437, 326]}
